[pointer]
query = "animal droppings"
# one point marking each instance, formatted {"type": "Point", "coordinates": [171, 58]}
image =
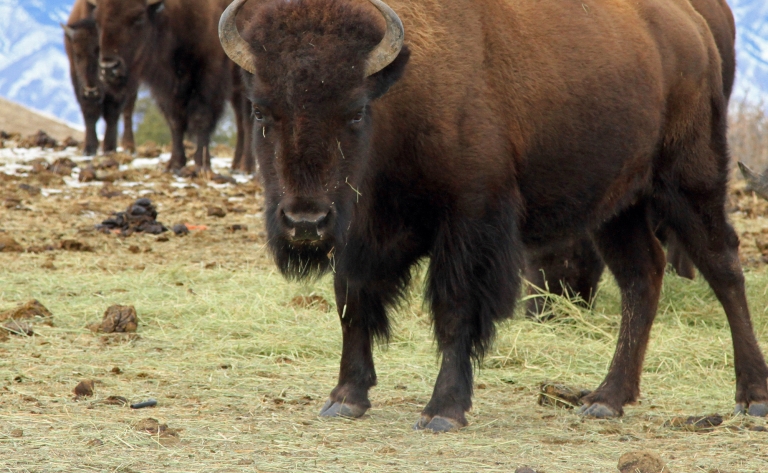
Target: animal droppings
{"type": "Point", "coordinates": [560, 395]}
{"type": "Point", "coordinates": [139, 217]}
{"type": "Point", "coordinates": [214, 211]}
{"type": "Point", "coordinates": [84, 389]}
{"type": "Point", "coordinates": [695, 423]}
{"type": "Point", "coordinates": [117, 319]}
{"type": "Point", "coordinates": [32, 309]}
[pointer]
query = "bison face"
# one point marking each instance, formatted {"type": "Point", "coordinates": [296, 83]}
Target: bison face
{"type": "Point", "coordinates": [313, 88]}
{"type": "Point", "coordinates": [83, 38]}
{"type": "Point", "coordinates": [126, 28]}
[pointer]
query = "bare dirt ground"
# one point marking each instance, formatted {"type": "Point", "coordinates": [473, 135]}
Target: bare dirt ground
{"type": "Point", "coordinates": [241, 361]}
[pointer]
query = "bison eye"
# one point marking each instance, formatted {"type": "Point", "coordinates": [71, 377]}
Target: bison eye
{"type": "Point", "coordinates": [257, 115]}
{"type": "Point", "coordinates": [359, 116]}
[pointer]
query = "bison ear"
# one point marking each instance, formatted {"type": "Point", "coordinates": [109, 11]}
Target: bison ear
{"type": "Point", "coordinates": [386, 78]}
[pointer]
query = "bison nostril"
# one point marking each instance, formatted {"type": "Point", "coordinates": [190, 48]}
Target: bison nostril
{"type": "Point", "coordinates": [305, 226]}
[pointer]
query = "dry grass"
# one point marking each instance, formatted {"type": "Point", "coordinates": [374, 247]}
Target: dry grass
{"type": "Point", "coordinates": [748, 133]}
{"type": "Point", "coordinates": [242, 372]}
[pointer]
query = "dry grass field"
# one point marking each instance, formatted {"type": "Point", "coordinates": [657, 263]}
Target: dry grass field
{"type": "Point", "coordinates": [240, 361]}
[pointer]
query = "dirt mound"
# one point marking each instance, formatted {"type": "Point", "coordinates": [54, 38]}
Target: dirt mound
{"type": "Point", "coordinates": [117, 319]}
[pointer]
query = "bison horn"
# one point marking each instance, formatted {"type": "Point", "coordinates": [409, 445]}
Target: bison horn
{"type": "Point", "coordinates": [234, 45]}
{"type": "Point", "coordinates": [755, 182]}
{"type": "Point", "coordinates": [92, 2]}
{"type": "Point", "coordinates": [390, 46]}
{"type": "Point", "coordinates": [68, 30]}
{"type": "Point", "coordinates": [153, 2]}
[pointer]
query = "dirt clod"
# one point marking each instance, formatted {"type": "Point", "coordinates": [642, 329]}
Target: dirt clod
{"type": "Point", "coordinates": [117, 319]}
{"type": "Point", "coordinates": [525, 469]}
{"type": "Point", "coordinates": [214, 211]}
{"type": "Point", "coordinates": [9, 245]}
{"type": "Point", "coordinates": [695, 423]}
{"type": "Point", "coordinates": [115, 401]}
{"type": "Point", "coordinates": [17, 327]}
{"type": "Point", "coordinates": [17, 433]}
{"type": "Point", "coordinates": [312, 301]}
{"type": "Point", "coordinates": [116, 370]}
{"type": "Point", "coordinates": [40, 139]}
{"type": "Point", "coordinates": [642, 461]}
{"type": "Point", "coordinates": [153, 427]}
{"type": "Point", "coordinates": [32, 309]}
{"type": "Point", "coordinates": [84, 389]}
{"type": "Point", "coordinates": [74, 245]}
{"type": "Point", "coordinates": [237, 227]}
{"type": "Point", "coordinates": [180, 229]}
{"type": "Point", "coordinates": [560, 395]}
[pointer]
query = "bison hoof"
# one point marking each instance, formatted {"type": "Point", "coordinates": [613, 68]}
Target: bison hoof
{"type": "Point", "coordinates": [437, 424]}
{"type": "Point", "coordinates": [340, 409]}
{"type": "Point", "coordinates": [756, 409]}
{"type": "Point", "coordinates": [598, 411]}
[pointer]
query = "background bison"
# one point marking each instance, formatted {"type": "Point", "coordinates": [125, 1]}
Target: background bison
{"type": "Point", "coordinates": [491, 141]}
{"type": "Point", "coordinates": [81, 41]}
{"type": "Point", "coordinates": [171, 46]}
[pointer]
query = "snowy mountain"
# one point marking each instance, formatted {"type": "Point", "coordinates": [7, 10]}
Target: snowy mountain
{"type": "Point", "coordinates": [34, 70]}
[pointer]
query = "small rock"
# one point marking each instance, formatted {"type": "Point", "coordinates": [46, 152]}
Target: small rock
{"type": "Point", "coordinates": [237, 227]}
{"type": "Point", "coordinates": [116, 370]}
{"type": "Point", "coordinates": [9, 245]}
{"type": "Point", "coordinates": [214, 211]}
{"type": "Point", "coordinates": [84, 388]}
{"type": "Point", "coordinates": [180, 229]}
{"type": "Point", "coordinates": [642, 461]}
{"type": "Point", "coordinates": [525, 469]}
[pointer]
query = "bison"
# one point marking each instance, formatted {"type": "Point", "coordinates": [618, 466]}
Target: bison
{"type": "Point", "coordinates": [496, 127]}
{"type": "Point", "coordinates": [81, 41]}
{"type": "Point", "coordinates": [172, 46]}
{"type": "Point", "coordinates": [573, 268]}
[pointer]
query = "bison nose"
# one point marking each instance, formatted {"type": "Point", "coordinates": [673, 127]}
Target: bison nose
{"type": "Point", "coordinates": [91, 92]}
{"type": "Point", "coordinates": [109, 68]}
{"type": "Point", "coordinates": [306, 226]}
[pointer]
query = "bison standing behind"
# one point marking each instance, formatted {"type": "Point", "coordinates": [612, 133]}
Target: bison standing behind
{"type": "Point", "coordinates": [171, 46]}
{"type": "Point", "coordinates": [81, 41]}
{"type": "Point", "coordinates": [508, 125]}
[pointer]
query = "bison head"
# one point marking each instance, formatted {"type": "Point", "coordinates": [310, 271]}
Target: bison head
{"type": "Point", "coordinates": [314, 69]}
{"type": "Point", "coordinates": [125, 32]}
{"type": "Point", "coordinates": [83, 38]}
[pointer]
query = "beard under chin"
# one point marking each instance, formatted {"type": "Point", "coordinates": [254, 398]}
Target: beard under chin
{"type": "Point", "coordinates": [298, 261]}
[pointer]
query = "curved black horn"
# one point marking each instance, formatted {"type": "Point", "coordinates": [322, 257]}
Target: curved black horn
{"type": "Point", "coordinates": [234, 45]}
{"type": "Point", "coordinates": [389, 47]}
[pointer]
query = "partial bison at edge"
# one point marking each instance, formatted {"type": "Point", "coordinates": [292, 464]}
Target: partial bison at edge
{"type": "Point", "coordinates": [470, 131]}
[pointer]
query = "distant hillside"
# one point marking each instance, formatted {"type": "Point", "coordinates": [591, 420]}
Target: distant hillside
{"type": "Point", "coordinates": [15, 118]}
{"type": "Point", "coordinates": [34, 70]}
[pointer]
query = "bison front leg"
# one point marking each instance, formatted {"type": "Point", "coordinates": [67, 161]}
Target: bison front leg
{"type": "Point", "coordinates": [363, 316]}
{"type": "Point", "coordinates": [474, 281]}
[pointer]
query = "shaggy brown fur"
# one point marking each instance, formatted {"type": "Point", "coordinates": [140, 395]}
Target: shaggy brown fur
{"type": "Point", "coordinates": [172, 46]}
{"type": "Point", "coordinates": [81, 41]}
{"type": "Point", "coordinates": [517, 125]}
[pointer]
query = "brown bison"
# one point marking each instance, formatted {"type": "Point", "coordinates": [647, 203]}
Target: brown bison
{"type": "Point", "coordinates": [172, 46]}
{"type": "Point", "coordinates": [573, 268]}
{"type": "Point", "coordinates": [81, 41]}
{"type": "Point", "coordinates": [493, 127]}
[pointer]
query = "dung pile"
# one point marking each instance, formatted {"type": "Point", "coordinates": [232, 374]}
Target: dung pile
{"type": "Point", "coordinates": [140, 216]}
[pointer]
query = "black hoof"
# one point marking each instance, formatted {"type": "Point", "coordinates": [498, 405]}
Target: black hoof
{"type": "Point", "coordinates": [756, 409]}
{"type": "Point", "coordinates": [340, 409]}
{"type": "Point", "coordinates": [437, 424]}
{"type": "Point", "coordinates": [598, 411]}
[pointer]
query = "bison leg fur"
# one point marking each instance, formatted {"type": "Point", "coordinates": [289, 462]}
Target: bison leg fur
{"type": "Point", "coordinates": [127, 142]}
{"type": "Point", "coordinates": [713, 246]}
{"type": "Point", "coordinates": [363, 316]}
{"type": "Point", "coordinates": [91, 138]}
{"type": "Point", "coordinates": [474, 281]}
{"type": "Point", "coordinates": [636, 259]}
{"type": "Point", "coordinates": [112, 111]}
